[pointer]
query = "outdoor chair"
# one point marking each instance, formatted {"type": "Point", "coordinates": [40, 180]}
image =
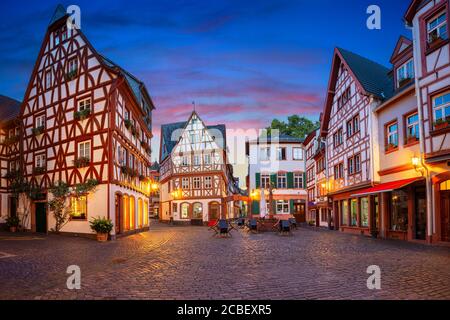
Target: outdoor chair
{"type": "Point", "coordinates": [293, 223]}
{"type": "Point", "coordinates": [285, 227]}
{"type": "Point", "coordinates": [241, 222]}
{"type": "Point", "coordinates": [223, 228]}
{"type": "Point", "coordinates": [252, 225]}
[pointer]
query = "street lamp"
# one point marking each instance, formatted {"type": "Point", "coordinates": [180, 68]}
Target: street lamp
{"type": "Point", "coordinates": [417, 163]}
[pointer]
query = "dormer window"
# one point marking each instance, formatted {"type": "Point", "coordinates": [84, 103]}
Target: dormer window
{"type": "Point", "coordinates": [72, 68]}
{"type": "Point", "coordinates": [48, 79]}
{"type": "Point", "coordinates": [437, 28]}
{"type": "Point", "coordinates": [56, 40]}
{"type": "Point", "coordinates": [64, 34]}
{"type": "Point", "coordinates": [405, 73]}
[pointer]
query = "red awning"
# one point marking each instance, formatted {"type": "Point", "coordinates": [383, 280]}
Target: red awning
{"type": "Point", "coordinates": [386, 187]}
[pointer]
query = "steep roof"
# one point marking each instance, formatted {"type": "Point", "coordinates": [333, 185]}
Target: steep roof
{"type": "Point", "coordinates": [154, 166]}
{"type": "Point", "coordinates": [372, 76]}
{"type": "Point", "coordinates": [9, 108]}
{"type": "Point", "coordinates": [169, 128]}
{"type": "Point", "coordinates": [60, 12]}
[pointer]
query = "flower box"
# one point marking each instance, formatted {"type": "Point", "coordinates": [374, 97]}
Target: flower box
{"type": "Point", "coordinates": [10, 140]}
{"type": "Point", "coordinates": [128, 124]}
{"type": "Point", "coordinates": [411, 139]}
{"type": "Point", "coordinates": [435, 41]}
{"type": "Point", "coordinates": [441, 124]}
{"type": "Point", "coordinates": [142, 177]}
{"type": "Point", "coordinates": [82, 162]}
{"type": "Point", "coordinates": [11, 174]}
{"type": "Point", "coordinates": [391, 146]}
{"type": "Point", "coordinates": [83, 114]}
{"type": "Point", "coordinates": [38, 130]}
{"type": "Point", "coordinates": [404, 81]}
{"type": "Point", "coordinates": [71, 75]}
{"type": "Point", "coordinates": [39, 170]}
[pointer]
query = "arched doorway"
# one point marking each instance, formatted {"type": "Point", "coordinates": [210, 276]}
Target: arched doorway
{"type": "Point", "coordinates": [197, 213]}
{"type": "Point", "coordinates": [214, 211]}
{"type": "Point", "coordinates": [132, 213]}
{"type": "Point", "coordinates": [118, 213]}
{"type": "Point", "coordinates": [124, 213]}
{"type": "Point", "coordinates": [145, 213]}
{"type": "Point", "coordinates": [140, 214]}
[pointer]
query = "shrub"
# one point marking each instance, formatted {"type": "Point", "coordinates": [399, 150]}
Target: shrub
{"type": "Point", "coordinates": [101, 225]}
{"type": "Point", "coordinates": [13, 221]}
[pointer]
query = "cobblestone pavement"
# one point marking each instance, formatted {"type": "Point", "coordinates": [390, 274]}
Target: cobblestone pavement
{"type": "Point", "coordinates": [187, 263]}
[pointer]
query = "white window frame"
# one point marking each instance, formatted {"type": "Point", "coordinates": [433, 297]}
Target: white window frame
{"type": "Point", "coordinates": [442, 106]}
{"type": "Point", "coordinates": [264, 154]}
{"type": "Point", "coordinates": [296, 155]}
{"type": "Point", "coordinates": [73, 64]}
{"type": "Point", "coordinates": [391, 135]}
{"type": "Point", "coordinates": [185, 161]}
{"type": "Point", "coordinates": [197, 183]}
{"type": "Point", "coordinates": [48, 78]}
{"type": "Point", "coordinates": [40, 161]}
{"type": "Point", "coordinates": [265, 181]}
{"type": "Point", "coordinates": [207, 159]}
{"type": "Point", "coordinates": [185, 183]}
{"type": "Point", "coordinates": [282, 207]}
{"type": "Point", "coordinates": [84, 104]}
{"type": "Point", "coordinates": [280, 153]}
{"type": "Point", "coordinates": [40, 121]}
{"type": "Point", "coordinates": [208, 182]}
{"type": "Point", "coordinates": [412, 127]}
{"type": "Point", "coordinates": [84, 149]}
{"type": "Point", "coordinates": [298, 180]}
{"type": "Point", "coordinates": [282, 181]}
{"type": "Point", "coordinates": [438, 26]}
{"type": "Point", "coordinates": [405, 71]}
{"type": "Point", "coordinates": [197, 160]}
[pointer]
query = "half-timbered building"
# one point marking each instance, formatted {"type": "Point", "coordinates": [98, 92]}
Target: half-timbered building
{"type": "Point", "coordinates": [9, 153]}
{"type": "Point", "coordinates": [195, 177]}
{"type": "Point", "coordinates": [83, 119]}
{"type": "Point", "coordinates": [429, 21]}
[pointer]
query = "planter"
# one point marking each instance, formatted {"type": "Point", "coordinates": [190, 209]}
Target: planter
{"type": "Point", "coordinates": [38, 170]}
{"type": "Point", "coordinates": [13, 229]}
{"type": "Point", "coordinates": [102, 237]}
{"type": "Point", "coordinates": [412, 139]}
{"type": "Point", "coordinates": [440, 125]}
{"type": "Point", "coordinates": [390, 147]}
{"type": "Point", "coordinates": [71, 75]}
{"type": "Point", "coordinates": [82, 162]}
{"type": "Point", "coordinates": [82, 115]}
{"type": "Point", "coordinates": [435, 42]}
{"type": "Point", "coordinates": [402, 82]}
{"type": "Point", "coordinates": [37, 131]}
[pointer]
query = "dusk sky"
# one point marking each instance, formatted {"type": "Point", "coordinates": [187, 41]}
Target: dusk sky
{"type": "Point", "coordinates": [243, 62]}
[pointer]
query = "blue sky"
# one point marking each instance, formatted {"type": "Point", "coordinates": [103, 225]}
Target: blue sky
{"type": "Point", "coordinates": [243, 62]}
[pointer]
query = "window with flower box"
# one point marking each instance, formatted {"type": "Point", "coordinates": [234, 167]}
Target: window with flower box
{"type": "Point", "coordinates": [441, 110]}
{"type": "Point", "coordinates": [437, 28]}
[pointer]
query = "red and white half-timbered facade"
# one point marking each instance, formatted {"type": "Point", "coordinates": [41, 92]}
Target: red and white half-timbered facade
{"type": "Point", "coordinates": [84, 118]}
{"type": "Point", "coordinates": [196, 180]}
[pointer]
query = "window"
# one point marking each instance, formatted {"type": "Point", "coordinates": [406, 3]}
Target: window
{"type": "Point", "coordinates": [265, 181]}
{"type": "Point", "coordinates": [127, 115]}
{"type": "Point", "coordinates": [339, 171]}
{"type": "Point", "coordinates": [282, 207]}
{"type": "Point", "coordinates": [338, 137]}
{"type": "Point", "coordinates": [405, 73]}
{"type": "Point", "coordinates": [344, 213]}
{"type": "Point", "coordinates": [441, 109]}
{"type": "Point", "coordinates": [185, 183]}
{"type": "Point", "coordinates": [281, 153]}
{"type": "Point", "coordinates": [64, 34]}
{"type": "Point", "coordinates": [297, 153]}
{"type": "Point", "coordinates": [197, 183]}
{"type": "Point", "coordinates": [412, 128]}
{"type": "Point", "coordinates": [185, 211]}
{"type": "Point", "coordinates": [197, 161]}
{"type": "Point", "coordinates": [57, 39]}
{"type": "Point", "coordinates": [320, 165]}
{"type": "Point", "coordinates": [185, 161]}
{"type": "Point", "coordinates": [437, 27]}
{"type": "Point", "coordinates": [40, 121]}
{"type": "Point", "coordinates": [40, 161]}
{"type": "Point", "coordinates": [207, 159]}
{"type": "Point", "coordinates": [281, 181]}
{"type": "Point", "coordinates": [84, 105]}
{"type": "Point", "coordinates": [84, 150]}
{"type": "Point", "coordinates": [48, 79]}
{"type": "Point", "coordinates": [208, 182]}
{"type": "Point", "coordinates": [353, 126]}
{"type": "Point", "coordinates": [197, 211]}
{"type": "Point", "coordinates": [73, 66]}
{"type": "Point", "coordinates": [364, 212]}
{"type": "Point", "coordinates": [344, 98]}
{"type": "Point", "coordinates": [79, 208]}
{"type": "Point", "coordinates": [310, 174]}
{"type": "Point", "coordinates": [354, 212]}
{"type": "Point", "coordinates": [392, 136]}
{"type": "Point", "coordinates": [399, 211]}
{"type": "Point", "coordinates": [174, 207]}
{"type": "Point", "coordinates": [298, 180]}
{"type": "Point", "coordinates": [311, 196]}
{"type": "Point", "coordinates": [354, 164]}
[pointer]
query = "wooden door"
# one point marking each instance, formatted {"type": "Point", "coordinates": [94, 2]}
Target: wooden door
{"type": "Point", "coordinates": [41, 217]}
{"type": "Point", "coordinates": [445, 216]}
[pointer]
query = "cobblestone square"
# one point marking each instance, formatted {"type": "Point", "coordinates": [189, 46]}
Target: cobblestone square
{"type": "Point", "coordinates": [188, 263]}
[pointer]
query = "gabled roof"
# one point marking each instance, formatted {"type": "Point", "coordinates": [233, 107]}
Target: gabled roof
{"type": "Point", "coordinates": [412, 9]}
{"type": "Point", "coordinates": [372, 76]}
{"type": "Point", "coordinates": [310, 136]}
{"type": "Point", "coordinates": [60, 12]}
{"type": "Point", "coordinates": [403, 44]}
{"type": "Point", "coordinates": [168, 129]}
{"type": "Point", "coordinates": [9, 108]}
{"type": "Point", "coordinates": [373, 79]}
{"type": "Point", "coordinates": [154, 166]}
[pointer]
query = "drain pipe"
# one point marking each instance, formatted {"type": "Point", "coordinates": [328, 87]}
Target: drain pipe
{"type": "Point", "coordinates": [428, 182]}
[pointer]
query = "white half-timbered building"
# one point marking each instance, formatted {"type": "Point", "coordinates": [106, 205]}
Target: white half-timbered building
{"type": "Point", "coordinates": [197, 185]}
{"type": "Point", "coordinates": [84, 118]}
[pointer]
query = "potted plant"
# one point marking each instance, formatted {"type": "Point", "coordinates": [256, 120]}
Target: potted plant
{"type": "Point", "coordinates": [71, 75]}
{"type": "Point", "coordinates": [440, 124]}
{"type": "Point", "coordinates": [128, 124]}
{"type": "Point", "coordinates": [38, 170]}
{"type": "Point", "coordinates": [82, 114]}
{"type": "Point", "coordinates": [404, 81]}
{"type": "Point", "coordinates": [103, 227]}
{"type": "Point", "coordinates": [13, 223]}
{"type": "Point", "coordinates": [390, 146]}
{"type": "Point", "coordinates": [434, 40]}
{"type": "Point", "coordinates": [38, 130]}
{"type": "Point", "coordinates": [81, 162]}
{"type": "Point", "coordinates": [411, 139]}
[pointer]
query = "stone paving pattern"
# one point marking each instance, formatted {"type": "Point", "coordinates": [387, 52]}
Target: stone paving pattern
{"type": "Point", "coordinates": [188, 263]}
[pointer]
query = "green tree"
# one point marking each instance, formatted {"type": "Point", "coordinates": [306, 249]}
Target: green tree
{"type": "Point", "coordinates": [295, 126]}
